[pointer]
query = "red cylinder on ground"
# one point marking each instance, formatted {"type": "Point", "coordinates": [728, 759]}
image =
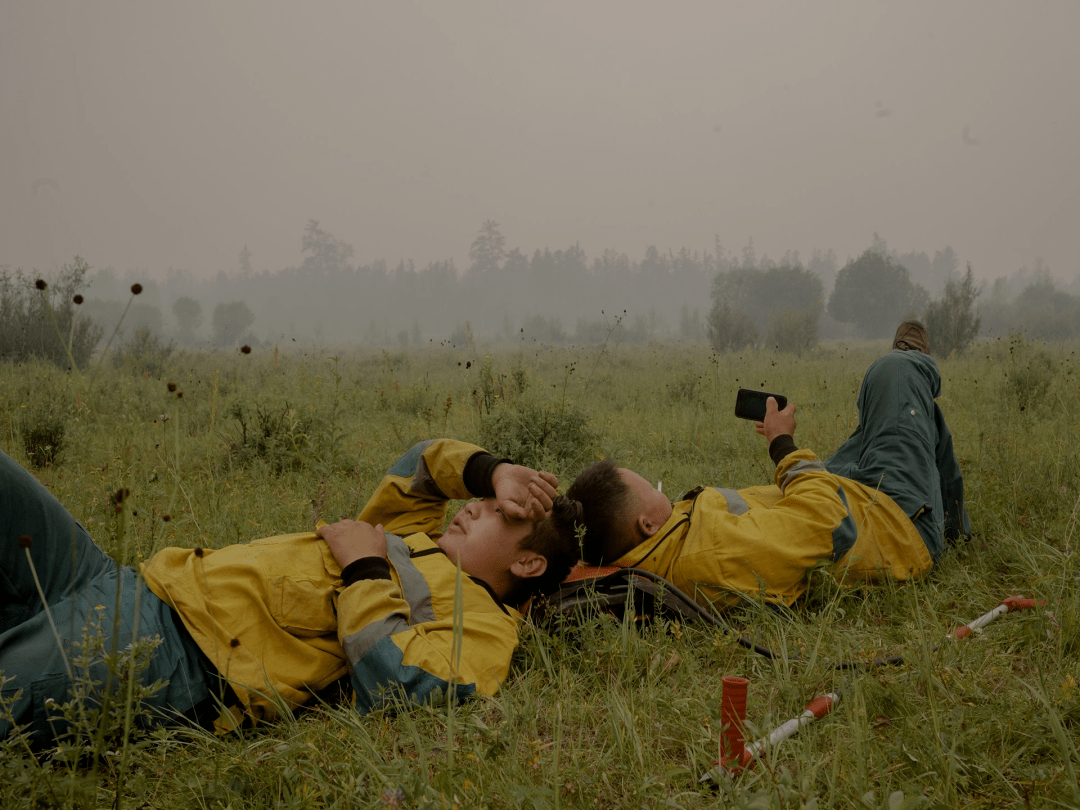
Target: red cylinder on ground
{"type": "Point", "coordinates": [733, 717]}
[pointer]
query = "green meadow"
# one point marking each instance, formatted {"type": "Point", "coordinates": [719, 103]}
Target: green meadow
{"type": "Point", "coordinates": [220, 448]}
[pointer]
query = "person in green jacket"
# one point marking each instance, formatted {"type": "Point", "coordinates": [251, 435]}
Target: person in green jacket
{"type": "Point", "coordinates": [880, 507]}
{"type": "Point", "coordinates": [388, 605]}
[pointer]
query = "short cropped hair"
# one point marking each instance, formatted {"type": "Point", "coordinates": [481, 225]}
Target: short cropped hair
{"type": "Point", "coordinates": [606, 502]}
{"type": "Point", "coordinates": [555, 539]}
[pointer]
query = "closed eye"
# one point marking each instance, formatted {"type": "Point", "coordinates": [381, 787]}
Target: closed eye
{"type": "Point", "coordinates": [506, 518]}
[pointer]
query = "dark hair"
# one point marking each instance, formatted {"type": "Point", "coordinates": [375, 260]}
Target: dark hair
{"type": "Point", "coordinates": [606, 501]}
{"type": "Point", "coordinates": [554, 538]}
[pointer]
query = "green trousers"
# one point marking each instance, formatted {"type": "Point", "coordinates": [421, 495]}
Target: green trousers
{"type": "Point", "coordinates": [903, 447]}
{"type": "Point", "coordinates": [80, 583]}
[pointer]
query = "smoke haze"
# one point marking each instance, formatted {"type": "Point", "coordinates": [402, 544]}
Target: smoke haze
{"type": "Point", "coordinates": [156, 136]}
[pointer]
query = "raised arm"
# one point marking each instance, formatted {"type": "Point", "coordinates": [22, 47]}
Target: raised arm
{"type": "Point", "coordinates": [412, 495]}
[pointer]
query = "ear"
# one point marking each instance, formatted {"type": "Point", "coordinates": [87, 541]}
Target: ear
{"type": "Point", "coordinates": [529, 564]}
{"type": "Point", "coordinates": [646, 528]}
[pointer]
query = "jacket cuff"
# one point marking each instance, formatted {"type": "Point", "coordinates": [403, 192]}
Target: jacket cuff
{"type": "Point", "coordinates": [478, 471]}
{"type": "Point", "coordinates": [783, 445]}
{"type": "Point", "coordinates": [365, 568]}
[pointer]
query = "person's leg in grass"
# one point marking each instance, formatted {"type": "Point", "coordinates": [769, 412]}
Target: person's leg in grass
{"type": "Point", "coordinates": [79, 583]}
{"type": "Point", "coordinates": [902, 445]}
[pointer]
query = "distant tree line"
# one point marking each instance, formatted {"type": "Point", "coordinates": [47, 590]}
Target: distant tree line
{"type": "Point", "coordinates": [732, 300]}
{"type": "Point", "coordinates": [782, 306]}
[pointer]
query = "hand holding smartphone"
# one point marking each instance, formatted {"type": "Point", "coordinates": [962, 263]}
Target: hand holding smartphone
{"type": "Point", "coordinates": [750, 403]}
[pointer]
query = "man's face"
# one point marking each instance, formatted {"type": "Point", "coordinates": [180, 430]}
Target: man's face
{"type": "Point", "coordinates": [650, 502]}
{"type": "Point", "coordinates": [484, 540]}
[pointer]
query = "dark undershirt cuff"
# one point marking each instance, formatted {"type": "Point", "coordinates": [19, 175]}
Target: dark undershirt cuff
{"type": "Point", "coordinates": [365, 568]}
{"type": "Point", "coordinates": [780, 447]}
{"type": "Point", "coordinates": [478, 471]}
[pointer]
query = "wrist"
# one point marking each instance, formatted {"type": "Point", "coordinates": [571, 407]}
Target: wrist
{"type": "Point", "coordinates": [780, 446]}
{"type": "Point", "coordinates": [479, 474]}
{"type": "Point", "coordinates": [365, 568]}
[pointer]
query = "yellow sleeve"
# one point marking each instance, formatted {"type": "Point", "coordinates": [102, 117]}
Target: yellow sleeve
{"type": "Point", "coordinates": [412, 496]}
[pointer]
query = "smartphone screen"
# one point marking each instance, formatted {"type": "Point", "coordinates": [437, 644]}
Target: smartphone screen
{"type": "Point", "coordinates": [750, 403]}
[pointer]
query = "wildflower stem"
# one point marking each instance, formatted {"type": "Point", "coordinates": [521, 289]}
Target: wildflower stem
{"type": "Point", "coordinates": [116, 329]}
{"type": "Point", "coordinates": [71, 338]}
{"type": "Point", "coordinates": [112, 656]}
{"type": "Point", "coordinates": [59, 334]}
{"type": "Point", "coordinates": [130, 702]}
{"type": "Point", "coordinates": [455, 666]}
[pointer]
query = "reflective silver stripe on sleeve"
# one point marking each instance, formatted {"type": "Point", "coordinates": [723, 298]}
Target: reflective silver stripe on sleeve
{"type": "Point", "coordinates": [413, 585]}
{"type": "Point", "coordinates": [797, 469]}
{"type": "Point", "coordinates": [414, 589]}
{"type": "Point", "coordinates": [357, 645]}
{"type": "Point", "coordinates": [736, 504]}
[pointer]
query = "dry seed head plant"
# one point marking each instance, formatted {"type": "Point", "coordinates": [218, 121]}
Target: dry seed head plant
{"type": "Point", "coordinates": [596, 712]}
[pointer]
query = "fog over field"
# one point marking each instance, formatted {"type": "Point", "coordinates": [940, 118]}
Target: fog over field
{"type": "Point", "coordinates": [152, 137]}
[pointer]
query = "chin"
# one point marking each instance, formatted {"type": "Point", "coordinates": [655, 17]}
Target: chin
{"type": "Point", "coordinates": [443, 544]}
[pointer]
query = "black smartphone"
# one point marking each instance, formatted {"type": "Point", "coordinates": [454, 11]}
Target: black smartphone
{"type": "Point", "coordinates": [750, 403]}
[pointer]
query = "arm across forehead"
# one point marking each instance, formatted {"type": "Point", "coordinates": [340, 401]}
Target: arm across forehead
{"type": "Point", "coordinates": [413, 495]}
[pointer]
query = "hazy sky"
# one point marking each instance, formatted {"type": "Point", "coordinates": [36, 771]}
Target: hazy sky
{"type": "Point", "coordinates": [157, 135]}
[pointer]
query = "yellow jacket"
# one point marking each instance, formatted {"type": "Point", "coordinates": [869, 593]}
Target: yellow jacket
{"type": "Point", "coordinates": [721, 544]}
{"type": "Point", "coordinates": [276, 620]}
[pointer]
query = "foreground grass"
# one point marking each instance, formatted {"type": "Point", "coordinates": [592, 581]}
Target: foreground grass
{"type": "Point", "coordinates": [598, 713]}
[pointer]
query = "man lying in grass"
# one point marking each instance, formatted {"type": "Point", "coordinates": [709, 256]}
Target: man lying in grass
{"type": "Point", "coordinates": [273, 622]}
{"type": "Point", "coordinates": [880, 506]}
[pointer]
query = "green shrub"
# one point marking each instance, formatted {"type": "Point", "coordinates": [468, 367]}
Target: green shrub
{"type": "Point", "coordinates": [539, 436]}
{"type": "Point", "coordinates": [43, 439]}
{"type": "Point", "coordinates": [730, 330]}
{"type": "Point", "coordinates": [144, 353]}
{"type": "Point", "coordinates": [279, 437]}
{"type": "Point", "coordinates": [951, 319]}
{"type": "Point", "coordinates": [39, 318]}
{"type": "Point", "coordinates": [519, 376]}
{"type": "Point", "coordinates": [684, 387]}
{"type": "Point", "coordinates": [1030, 372]}
{"type": "Point", "coordinates": [794, 330]}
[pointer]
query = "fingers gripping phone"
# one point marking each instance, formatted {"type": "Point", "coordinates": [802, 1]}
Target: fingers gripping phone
{"type": "Point", "coordinates": [750, 403]}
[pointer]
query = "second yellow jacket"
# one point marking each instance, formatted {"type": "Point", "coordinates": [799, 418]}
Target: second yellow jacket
{"type": "Point", "coordinates": [722, 545]}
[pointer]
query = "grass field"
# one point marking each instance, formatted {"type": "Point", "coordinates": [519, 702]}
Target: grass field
{"type": "Point", "coordinates": [601, 713]}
